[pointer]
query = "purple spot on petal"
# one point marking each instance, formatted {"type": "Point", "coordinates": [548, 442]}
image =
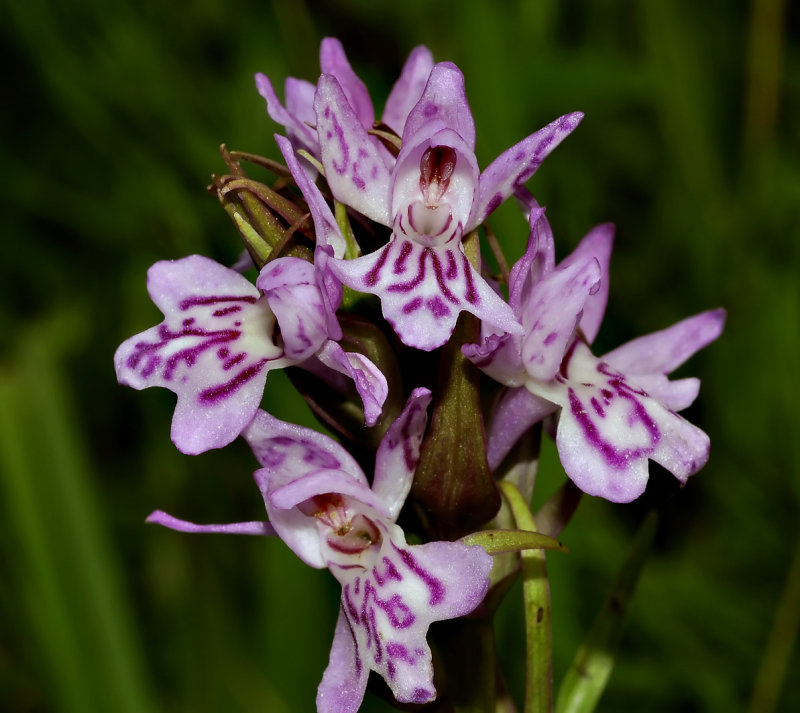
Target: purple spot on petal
{"type": "Point", "coordinates": [550, 338]}
{"type": "Point", "coordinates": [373, 275]}
{"type": "Point", "coordinates": [223, 391]}
{"type": "Point", "coordinates": [597, 406]}
{"type": "Point", "coordinates": [400, 262]}
{"type": "Point", "coordinates": [435, 587]}
{"type": "Point", "coordinates": [472, 293]}
{"type": "Point", "coordinates": [437, 307]}
{"type": "Point", "coordinates": [452, 267]}
{"type": "Point", "coordinates": [421, 695]}
{"type": "Point", "coordinates": [233, 361]}
{"type": "Point", "coordinates": [226, 310]}
{"type": "Point", "coordinates": [212, 300]}
{"type": "Point", "coordinates": [494, 203]}
{"type": "Point", "coordinates": [412, 306]}
{"type": "Point", "coordinates": [617, 457]}
{"type": "Point", "coordinates": [430, 110]}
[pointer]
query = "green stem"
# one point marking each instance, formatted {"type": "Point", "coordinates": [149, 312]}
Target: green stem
{"type": "Point", "coordinates": [536, 595]}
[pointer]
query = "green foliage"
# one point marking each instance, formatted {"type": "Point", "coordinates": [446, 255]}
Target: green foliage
{"type": "Point", "coordinates": [113, 114]}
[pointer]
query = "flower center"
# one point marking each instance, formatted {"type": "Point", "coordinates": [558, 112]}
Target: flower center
{"type": "Point", "coordinates": [435, 169]}
{"type": "Point", "coordinates": [345, 533]}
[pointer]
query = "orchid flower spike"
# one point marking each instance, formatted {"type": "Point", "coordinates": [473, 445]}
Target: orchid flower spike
{"type": "Point", "coordinates": [221, 336]}
{"type": "Point", "coordinates": [321, 505]}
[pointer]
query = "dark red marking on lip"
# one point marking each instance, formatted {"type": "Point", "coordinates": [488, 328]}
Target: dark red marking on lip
{"type": "Point", "coordinates": [223, 391]}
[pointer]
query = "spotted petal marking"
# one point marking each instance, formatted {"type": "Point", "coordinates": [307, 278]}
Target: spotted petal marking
{"type": "Point", "coordinates": [609, 427]}
{"type": "Point", "coordinates": [388, 607]}
{"type": "Point", "coordinates": [213, 349]}
{"type": "Point", "coordinates": [355, 171]}
{"type": "Point", "coordinates": [423, 289]}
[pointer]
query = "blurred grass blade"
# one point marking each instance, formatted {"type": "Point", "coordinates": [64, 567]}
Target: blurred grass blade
{"type": "Point", "coordinates": [586, 679]}
{"type": "Point", "coordinates": [782, 638]}
{"type": "Point", "coordinates": [72, 617]}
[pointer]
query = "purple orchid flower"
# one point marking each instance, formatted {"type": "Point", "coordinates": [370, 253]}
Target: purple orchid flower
{"type": "Point", "coordinates": [298, 115]}
{"type": "Point", "coordinates": [321, 505]}
{"type": "Point", "coordinates": [618, 411]}
{"type": "Point", "coordinates": [431, 197]}
{"type": "Point", "coordinates": [221, 336]}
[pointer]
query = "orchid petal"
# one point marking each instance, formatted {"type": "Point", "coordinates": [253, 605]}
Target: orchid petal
{"type": "Point", "coordinates": [664, 351]}
{"type": "Point", "coordinates": [498, 357]}
{"type": "Point", "coordinates": [398, 453]}
{"type": "Point", "coordinates": [551, 314]}
{"type": "Point", "coordinates": [256, 527]}
{"type": "Point", "coordinates": [368, 379]}
{"type": "Point", "coordinates": [213, 349]}
{"type": "Point", "coordinates": [444, 99]}
{"type": "Point", "coordinates": [675, 395]}
{"type": "Point", "coordinates": [290, 451]}
{"type": "Point", "coordinates": [423, 289]}
{"type": "Point", "coordinates": [608, 429]}
{"type": "Point", "coordinates": [345, 679]}
{"type": "Point", "coordinates": [516, 165]}
{"type": "Point", "coordinates": [333, 61]}
{"type": "Point", "coordinates": [300, 100]}
{"type": "Point", "coordinates": [353, 165]}
{"type": "Point", "coordinates": [323, 482]}
{"type": "Point", "coordinates": [330, 288]}
{"type": "Point", "coordinates": [516, 411]}
{"type": "Point", "coordinates": [408, 89]}
{"type": "Point", "coordinates": [390, 607]}
{"type": "Point", "coordinates": [596, 244]}
{"type": "Point", "coordinates": [290, 286]}
{"type": "Point", "coordinates": [326, 228]}
{"type": "Point", "coordinates": [537, 261]}
{"type": "Point", "coordinates": [293, 120]}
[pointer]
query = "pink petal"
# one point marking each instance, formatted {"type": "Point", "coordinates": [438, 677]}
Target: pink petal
{"type": "Point", "coordinates": [213, 350]}
{"type": "Point", "coordinates": [516, 165]}
{"type": "Point", "coordinates": [516, 411]}
{"type": "Point", "coordinates": [597, 244]}
{"type": "Point", "coordinates": [369, 381]}
{"type": "Point", "coordinates": [290, 287]}
{"type": "Point", "coordinates": [423, 289]}
{"type": "Point", "coordinates": [333, 61]}
{"type": "Point", "coordinates": [257, 527]}
{"type": "Point", "coordinates": [398, 453]}
{"type": "Point", "coordinates": [408, 89]}
{"type": "Point", "coordinates": [326, 228]}
{"type": "Point", "coordinates": [322, 482]}
{"type": "Point", "coordinates": [551, 313]}
{"type": "Point", "coordinates": [443, 99]}
{"type": "Point", "coordinates": [664, 351]}
{"type": "Point", "coordinates": [353, 165]}
{"type": "Point", "coordinates": [390, 607]}
{"type": "Point", "coordinates": [294, 122]}
{"type": "Point", "coordinates": [345, 679]}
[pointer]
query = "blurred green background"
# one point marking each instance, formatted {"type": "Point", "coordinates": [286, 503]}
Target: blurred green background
{"type": "Point", "coordinates": [112, 118]}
